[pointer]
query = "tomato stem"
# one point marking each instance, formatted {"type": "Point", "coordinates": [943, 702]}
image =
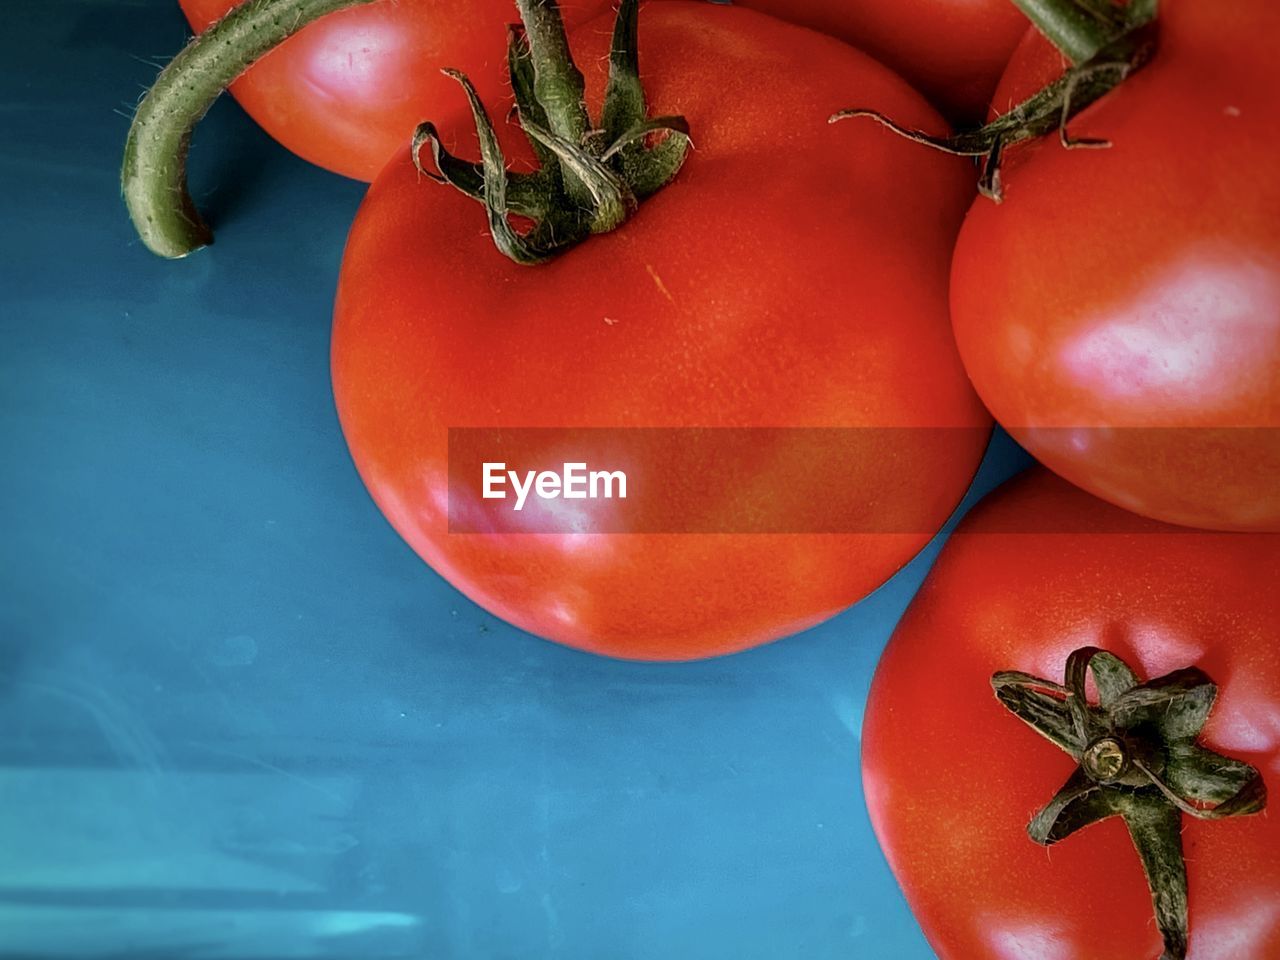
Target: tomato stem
{"type": "Point", "coordinates": [1131, 47]}
{"type": "Point", "coordinates": [1138, 760]}
{"type": "Point", "coordinates": [558, 84]}
{"type": "Point", "coordinates": [153, 175]}
{"type": "Point", "coordinates": [591, 178]}
{"type": "Point", "coordinates": [1078, 29]}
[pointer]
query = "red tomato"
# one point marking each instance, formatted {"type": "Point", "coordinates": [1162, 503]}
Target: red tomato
{"type": "Point", "coordinates": [347, 91]}
{"type": "Point", "coordinates": [1138, 287]}
{"type": "Point", "coordinates": [794, 274]}
{"type": "Point", "coordinates": [952, 50]}
{"type": "Point", "coordinates": [952, 778]}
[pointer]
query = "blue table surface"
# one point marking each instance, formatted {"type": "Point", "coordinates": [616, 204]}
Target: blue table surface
{"type": "Point", "coordinates": [240, 719]}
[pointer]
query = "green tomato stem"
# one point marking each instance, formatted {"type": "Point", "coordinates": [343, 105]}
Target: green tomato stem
{"type": "Point", "coordinates": [558, 84]}
{"type": "Point", "coordinates": [153, 174]}
{"type": "Point", "coordinates": [1075, 28]}
{"type": "Point", "coordinates": [591, 176]}
{"type": "Point", "coordinates": [1132, 44]}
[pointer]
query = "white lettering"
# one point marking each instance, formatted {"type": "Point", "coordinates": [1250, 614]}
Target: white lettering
{"type": "Point", "coordinates": [494, 473]}
{"type": "Point", "coordinates": [548, 485]}
{"type": "Point", "coordinates": [522, 492]}
{"type": "Point", "coordinates": [574, 482]}
{"type": "Point", "coordinates": [608, 478]}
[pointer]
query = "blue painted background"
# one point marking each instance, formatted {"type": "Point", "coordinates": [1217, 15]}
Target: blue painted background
{"type": "Point", "coordinates": [239, 718]}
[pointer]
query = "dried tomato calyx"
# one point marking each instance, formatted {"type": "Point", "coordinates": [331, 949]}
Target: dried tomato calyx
{"type": "Point", "coordinates": [1118, 42]}
{"type": "Point", "coordinates": [1138, 759]}
{"type": "Point", "coordinates": [592, 176]}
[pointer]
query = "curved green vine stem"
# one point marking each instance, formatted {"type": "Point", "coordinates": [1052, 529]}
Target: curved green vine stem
{"type": "Point", "coordinates": [1139, 760]}
{"type": "Point", "coordinates": [153, 175]}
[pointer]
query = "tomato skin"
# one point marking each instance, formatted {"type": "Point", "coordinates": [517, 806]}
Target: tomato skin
{"type": "Point", "coordinates": [1139, 286]}
{"type": "Point", "coordinates": [954, 51]}
{"type": "Point", "coordinates": [794, 274]}
{"type": "Point", "coordinates": [347, 91]}
{"type": "Point", "coordinates": [952, 778]}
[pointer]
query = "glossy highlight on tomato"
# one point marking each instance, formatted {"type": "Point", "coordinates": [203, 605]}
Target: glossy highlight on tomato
{"type": "Point", "coordinates": [347, 91]}
{"type": "Point", "coordinates": [1119, 313]}
{"type": "Point", "coordinates": [793, 275]}
{"type": "Point", "coordinates": [1038, 570]}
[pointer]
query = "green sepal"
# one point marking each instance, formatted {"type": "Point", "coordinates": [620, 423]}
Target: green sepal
{"type": "Point", "coordinates": [1138, 758]}
{"type": "Point", "coordinates": [624, 124]}
{"type": "Point", "coordinates": [1048, 111]}
{"type": "Point", "coordinates": [525, 250]}
{"type": "Point", "coordinates": [1078, 804]}
{"type": "Point", "coordinates": [1179, 704]}
{"type": "Point", "coordinates": [612, 199]}
{"type": "Point", "coordinates": [1041, 706]}
{"type": "Point", "coordinates": [1089, 723]}
{"type": "Point", "coordinates": [1137, 14]}
{"type": "Point", "coordinates": [642, 129]}
{"type": "Point", "coordinates": [1156, 831]}
{"type": "Point", "coordinates": [650, 169]}
{"type": "Point", "coordinates": [1111, 675]}
{"type": "Point", "coordinates": [527, 193]}
{"type": "Point", "coordinates": [1205, 777]}
{"type": "Point", "coordinates": [624, 99]}
{"type": "Point", "coordinates": [589, 180]}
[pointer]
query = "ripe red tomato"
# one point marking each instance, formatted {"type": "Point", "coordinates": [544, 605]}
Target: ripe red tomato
{"type": "Point", "coordinates": [347, 91]}
{"type": "Point", "coordinates": [954, 51]}
{"type": "Point", "coordinates": [1120, 311]}
{"type": "Point", "coordinates": [794, 274]}
{"type": "Point", "coordinates": [952, 777]}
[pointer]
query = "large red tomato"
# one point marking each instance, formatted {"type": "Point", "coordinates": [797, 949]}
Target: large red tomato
{"type": "Point", "coordinates": [952, 50]}
{"type": "Point", "coordinates": [793, 275]}
{"type": "Point", "coordinates": [1120, 311]}
{"type": "Point", "coordinates": [347, 91]}
{"type": "Point", "coordinates": [952, 777]}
